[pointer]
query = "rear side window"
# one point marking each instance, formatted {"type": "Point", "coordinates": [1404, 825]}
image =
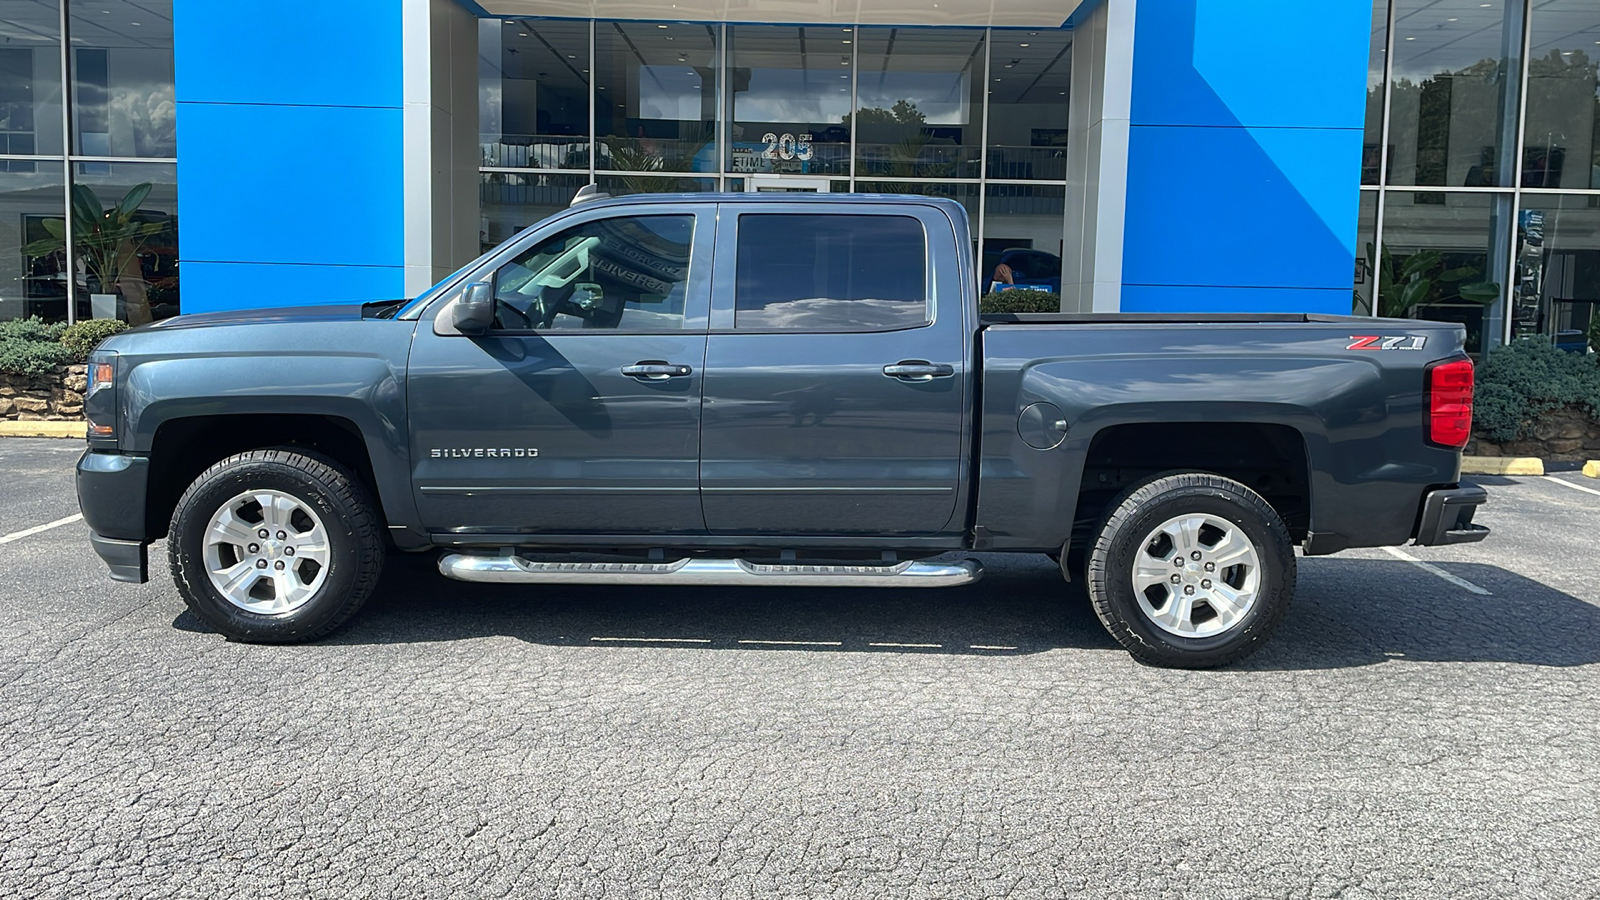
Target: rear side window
{"type": "Point", "coordinates": [837, 273]}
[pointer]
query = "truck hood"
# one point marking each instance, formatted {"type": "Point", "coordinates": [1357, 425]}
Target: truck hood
{"type": "Point", "coordinates": [344, 312]}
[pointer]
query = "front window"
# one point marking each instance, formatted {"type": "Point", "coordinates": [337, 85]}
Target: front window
{"type": "Point", "coordinates": [626, 273]}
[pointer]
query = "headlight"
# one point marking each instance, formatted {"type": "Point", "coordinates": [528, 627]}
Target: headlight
{"type": "Point", "coordinates": [99, 398]}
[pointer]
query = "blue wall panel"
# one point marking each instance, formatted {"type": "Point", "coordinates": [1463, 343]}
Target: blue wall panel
{"type": "Point", "coordinates": [344, 53]}
{"type": "Point", "coordinates": [256, 285]}
{"type": "Point", "coordinates": [290, 152]}
{"type": "Point", "coordinates": [293, 197]}
{"type": "Point", "coordinates": [1244, 155]}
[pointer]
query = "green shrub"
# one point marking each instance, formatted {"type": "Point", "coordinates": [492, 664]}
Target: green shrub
{"type": "Point", "coordinates": [1020, 300]}
{"type": "Point", "coordinates": [32, 328]}
{"type": "Point", "coordinates": [82, 338]}
{"type": "Point", "coordinates": [31, 347]}
{"type": "Point", "coordinates": [1517, 382]}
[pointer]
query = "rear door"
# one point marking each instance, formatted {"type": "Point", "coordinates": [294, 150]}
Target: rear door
{"type": "Point", "coordinates": [579, 412]}
{"type": "Point", "coordinates": [836, 371]}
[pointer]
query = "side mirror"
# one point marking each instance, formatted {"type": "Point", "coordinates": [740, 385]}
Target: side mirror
{"type": "Point", "coordinates": [474, 312]}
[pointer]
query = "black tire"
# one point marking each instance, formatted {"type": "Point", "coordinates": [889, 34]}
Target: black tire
{"type": "Point", "coordinates": [342, 502]}
{"type": "Point", "coordinates": [1138, 512]}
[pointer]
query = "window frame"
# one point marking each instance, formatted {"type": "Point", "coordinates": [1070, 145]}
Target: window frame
{"type": "Point", "coordinates": [724, 302]}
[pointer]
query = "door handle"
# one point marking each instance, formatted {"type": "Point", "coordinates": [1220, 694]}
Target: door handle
{"type": "Point", "coordinates": [655, 370]}
{"type": "Point", "coordinates": [918, 370]}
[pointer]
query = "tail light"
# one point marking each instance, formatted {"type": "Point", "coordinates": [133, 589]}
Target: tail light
{"type": "Point", "coordinates": [1450, 403]}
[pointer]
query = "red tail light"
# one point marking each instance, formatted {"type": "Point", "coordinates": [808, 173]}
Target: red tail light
{"type": "Point", "coordinates": [1450, 403]}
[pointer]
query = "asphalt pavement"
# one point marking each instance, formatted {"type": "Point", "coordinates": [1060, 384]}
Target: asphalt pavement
{"type": "Point", "coordinates": [1404, 734]}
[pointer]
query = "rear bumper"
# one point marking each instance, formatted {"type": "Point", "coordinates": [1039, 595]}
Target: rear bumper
{"type": "Point", "coordinates": [1447, 516]}
{"type": "Point", "coordinates": [111, 495]}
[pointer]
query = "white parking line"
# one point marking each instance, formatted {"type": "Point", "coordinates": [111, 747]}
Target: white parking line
{"type": "Point", "coordinates": [19, 535]}
{"type": "Point", "coordinates": [653, 640]}
{"type": "Point", "coordinates": [1576, 487]}
{"type": "Point", "coordinates": [1431, 569]}
{"type": "Point", "coordinates": [795, 643]}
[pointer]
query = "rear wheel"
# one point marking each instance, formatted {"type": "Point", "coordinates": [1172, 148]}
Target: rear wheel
{"type": "Point", "coordinates": [275, 546]}
{"type": "Point", "coordinates": [1191, 571]}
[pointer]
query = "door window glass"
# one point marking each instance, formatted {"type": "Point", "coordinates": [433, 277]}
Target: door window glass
{"type": "Point", "coordinates": [625, 273]}
{"type": "Point", "coordinates": [841, 273]}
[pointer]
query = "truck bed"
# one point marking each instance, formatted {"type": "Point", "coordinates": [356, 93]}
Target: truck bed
{"type": "Point", "coordinates": [987, 319]}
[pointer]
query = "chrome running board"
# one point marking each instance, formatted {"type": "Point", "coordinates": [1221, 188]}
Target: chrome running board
{"type": "Point", "coordinates": [516, 570]}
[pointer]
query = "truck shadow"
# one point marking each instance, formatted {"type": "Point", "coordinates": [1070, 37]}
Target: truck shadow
{"type": "Point", "coordinates": [1349, 612]}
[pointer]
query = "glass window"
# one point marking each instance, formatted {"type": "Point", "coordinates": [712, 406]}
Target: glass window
{"type": "Point", "coordinates": [1029, 84]}
{"type": "Point", "coordinates": [1443, 259]}
{"type": "Point", "coordinates": [1022, 231]}
{"type": "Point", "coordinates": [30, 81]}
{"type": "Point", "coordinates": [533, 93]}
{"type": "Point", "coordinates": [1366, 249]}
{"type": "Point", "coordinates": [1558, 267]}
{"type": "Point", "coordinates": [1456, 74]}
{"type": "Point", "coordinates": [623, 273]}
{"type": "Point", "coordinates": [127, 254]}
{"type": "Point", "coordinates": [837, 272]}
{"type": "Point", "coordinates": [919, 103]}
{"type": "Point", "coordinates": [622, 185]}
{"type": "Point", "coordinates": [789, 95]}
{"type": "Point", "coordinates": [122, 98]}
{"type": "Point", "coordinates": [964, 194]}
{"type": "Point", "coordinates": [33, 261]}
{"type": "Point", "coordinates": [1372, 145]}
{"type": "Point", "coordinates": [511, 201]}
{"type": "Point", "coordinates": [656, 100]}
{"type": "Point", "coordinates": [1562, 140]}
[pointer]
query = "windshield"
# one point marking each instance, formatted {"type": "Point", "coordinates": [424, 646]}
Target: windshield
{"type": "Point", "coordinates": [423, 298]}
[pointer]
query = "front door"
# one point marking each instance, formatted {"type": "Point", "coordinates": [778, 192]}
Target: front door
{"type": "Point", "coordinates": [579, 411]}
{"type": "Point", "coordinates": [836, 372]}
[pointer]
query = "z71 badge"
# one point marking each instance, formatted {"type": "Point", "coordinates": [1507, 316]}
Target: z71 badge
{"type": "Point", "coordinates": [1381, 342]}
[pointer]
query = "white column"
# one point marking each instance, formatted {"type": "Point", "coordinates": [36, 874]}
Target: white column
{"type": "Point", "coordinates": [1097, 158]}
{"type": "Point", "coordinates": [439, 42]}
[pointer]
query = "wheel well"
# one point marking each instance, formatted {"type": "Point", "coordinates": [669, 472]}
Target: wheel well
{"type": "Point", "coordinates": [183, 448]}
{"type": "Point", "coordinates": [1269, 459]}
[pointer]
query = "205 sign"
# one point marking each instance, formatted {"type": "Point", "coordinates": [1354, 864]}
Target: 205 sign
{"type": "Point", "coordinates": [786, 146]}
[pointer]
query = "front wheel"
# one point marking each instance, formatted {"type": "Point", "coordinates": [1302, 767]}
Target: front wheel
{"type": "Point", "coordinates": [1191, 571]}
{"type": "Point", "coordinates": [275, 546]}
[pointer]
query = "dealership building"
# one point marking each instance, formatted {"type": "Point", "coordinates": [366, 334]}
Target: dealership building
{"type": "Point", "coordinates": [1438, 158]}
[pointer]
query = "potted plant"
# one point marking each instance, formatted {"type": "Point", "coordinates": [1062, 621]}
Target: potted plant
{"type": "Point", "coordinates": [108, 240]}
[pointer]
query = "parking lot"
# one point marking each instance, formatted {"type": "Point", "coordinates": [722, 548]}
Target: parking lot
{"type": "Point", "coordinates": [1404, 735]}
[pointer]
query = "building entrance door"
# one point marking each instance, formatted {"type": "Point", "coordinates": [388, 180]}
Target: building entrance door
{"type": "Point", "coordinates": [785, 184]}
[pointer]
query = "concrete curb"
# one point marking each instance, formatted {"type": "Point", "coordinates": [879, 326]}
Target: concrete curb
{"type": "Point", "coordinates": [1502, 465]}
{"type": "Point", "coordinates": [44, 429]}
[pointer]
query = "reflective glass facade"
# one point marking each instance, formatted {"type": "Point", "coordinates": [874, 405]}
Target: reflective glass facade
{"type": "Point", "coordinates": [974, 114]}
{"type": "Point", "coordinates": [1481, 168]}
{"type": "Point", "coordinates": [112, 143]}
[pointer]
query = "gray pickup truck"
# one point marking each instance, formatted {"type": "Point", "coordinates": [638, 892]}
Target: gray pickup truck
{"type": "Point", "coordinates": [767, 390]}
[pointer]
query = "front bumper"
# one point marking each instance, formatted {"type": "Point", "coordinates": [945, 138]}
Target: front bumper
{"type": "Point", "coordinates": [1447, 516]}
{"type": "Point", "coordinates": [111, 494]}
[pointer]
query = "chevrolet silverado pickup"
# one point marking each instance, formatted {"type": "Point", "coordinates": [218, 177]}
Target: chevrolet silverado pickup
{"type": "Point", "coordinates": [767, 390]}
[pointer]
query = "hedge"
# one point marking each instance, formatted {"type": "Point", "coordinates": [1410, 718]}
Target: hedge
{"type": "Point", "coordinates": [1020, 300]}
{"type": "Point", "coordinates": [83, 337]}
{"type": "Point", "coordinates": [1517, 382]}
{"type": "Point", "coordinates": [32, 346]}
